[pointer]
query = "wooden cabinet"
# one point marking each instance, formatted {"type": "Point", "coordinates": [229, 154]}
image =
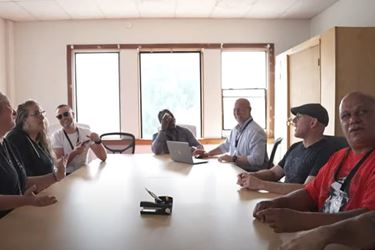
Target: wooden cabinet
{"type": "Point", "coordinates": [324, 69]}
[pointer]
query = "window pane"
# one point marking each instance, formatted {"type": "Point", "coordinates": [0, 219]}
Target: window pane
{"type": "Point", "coordinates": [244, 75]}
{"type": "Point", "coordinates": [244, 69]}
{"type": "Point", "coordinates": [257, 100]}
{"type": "Point", "coordinates": [170, 81]}
{"type": "Point", "coordinates": [97, 91]}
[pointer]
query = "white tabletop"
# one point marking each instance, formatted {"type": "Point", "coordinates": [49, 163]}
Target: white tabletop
{"type": "Point", "coordinates": [98, 208]}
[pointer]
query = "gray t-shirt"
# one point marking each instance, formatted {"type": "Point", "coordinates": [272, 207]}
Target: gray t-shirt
{"type": "Point", "coordinates": [300, 162]}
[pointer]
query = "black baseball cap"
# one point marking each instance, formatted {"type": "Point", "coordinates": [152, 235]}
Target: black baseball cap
{"type": "Point", "coordinates": [314, 110]}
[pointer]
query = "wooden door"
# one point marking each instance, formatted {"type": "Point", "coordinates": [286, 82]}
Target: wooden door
{"type": "Point", "coordinates": [304, 80]}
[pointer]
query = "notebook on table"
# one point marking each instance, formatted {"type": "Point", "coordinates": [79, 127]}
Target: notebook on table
{"type": "Point", "coordinates": [181, 152]}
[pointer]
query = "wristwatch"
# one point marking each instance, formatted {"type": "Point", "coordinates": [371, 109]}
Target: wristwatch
{"type": "Point", "coordinates": [234, 158]}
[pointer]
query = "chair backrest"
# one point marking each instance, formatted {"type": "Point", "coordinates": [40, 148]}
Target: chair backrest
{"type": "Point", "coordinates": [192, 128]}
{"type": "Point", "coordinates": [119, 142]}
{"type": "Point", "coordinates": [273, 152]}
{"type": "Point", "coordinates": [338, 141]}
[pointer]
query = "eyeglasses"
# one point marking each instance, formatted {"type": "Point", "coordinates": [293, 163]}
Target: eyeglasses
{"type": "Point", "coordinates": [38, 113]}
{"type": "Point", "coordinates": [65, 114]}
{"type": "Point", "coordinates": [292, 120]}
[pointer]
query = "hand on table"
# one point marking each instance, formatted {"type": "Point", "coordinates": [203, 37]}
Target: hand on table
{"type": "Point", "coordinates": [249, 181]}
{"type": "Point", "coordinates": [280, 219]}
{"type": "Point", "coordinates": [225, 158]}
{"type": "Point", "coordinates": [200, 153]}
{"type": "Point", "coordinates": [38, 200]}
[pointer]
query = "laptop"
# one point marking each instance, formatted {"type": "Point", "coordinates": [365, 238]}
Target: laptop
{"type": "Point", "coordinates": [181, 152]}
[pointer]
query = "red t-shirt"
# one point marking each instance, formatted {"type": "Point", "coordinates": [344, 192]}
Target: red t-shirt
{"type": "Point", "coordinates": [361, 188]}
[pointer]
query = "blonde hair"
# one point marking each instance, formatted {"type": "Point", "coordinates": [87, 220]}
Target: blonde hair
{"type": "Point", "coordinates": [22, 114]}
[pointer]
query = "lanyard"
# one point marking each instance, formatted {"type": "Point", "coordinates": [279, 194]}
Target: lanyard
{"type": "Point", "coordinates": [238, 136]}
{"type": "Point", "coordinates": [67, 137]}
{"type": "Point", "coordinates": [353, 171]}
{"type": "Point", "coordinates": [41, 149]}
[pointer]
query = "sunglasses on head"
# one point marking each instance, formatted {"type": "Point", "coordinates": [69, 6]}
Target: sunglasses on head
{"type": "Point", "coordinates": [60, 116]}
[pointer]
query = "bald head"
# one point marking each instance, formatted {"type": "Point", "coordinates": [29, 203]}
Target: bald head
{"type": "Point", "coordinates": [243, 102]}
{"type": "Point", "coordinates": [3, 100]}
{"type": "Point", "coordinates": [358, 95]}
{"type": "Point", "coordinates": [242, 110]}
{"type": "Point", "coordinates": [357, 118]}
{"type": "Point", "coordinates": [6, 115]}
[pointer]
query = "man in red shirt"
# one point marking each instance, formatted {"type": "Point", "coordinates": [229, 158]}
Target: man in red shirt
{"type": "Point", "coordinates": [343, 188]}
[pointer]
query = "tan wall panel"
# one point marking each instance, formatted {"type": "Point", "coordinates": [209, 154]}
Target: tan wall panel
{"type": "Point", "coordinates": [355, 62]}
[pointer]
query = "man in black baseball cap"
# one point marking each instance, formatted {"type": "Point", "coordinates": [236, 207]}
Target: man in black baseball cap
{"type": "Point", "coordinates": [303, 160]}
{"type": "Point", "coordinates": [314, 110]}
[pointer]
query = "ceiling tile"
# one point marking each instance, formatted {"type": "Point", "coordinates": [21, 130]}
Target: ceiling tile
{"type": "Point", "coordinates": [231, 8]}
{"type": "Point", "coordinates": [118, 8]}
{"type": "Point", "coordinates": [194, 8]}
{"type": "Point", "coordinates": [11, 11]}
{"type": "Point", "coordinates": [307, 9]}
{"type": "Point", "coordinates": [81, 9]}
{"type": "Point", "coordinates": [157, 8]}
{"type": "Point", "coordinates": [44, 9]}
{"type": "Point", "coordinates": [268, 8]}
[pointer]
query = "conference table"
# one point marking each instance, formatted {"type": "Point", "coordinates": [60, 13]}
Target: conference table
{"type": "Point", "coordinates": [99, 208]}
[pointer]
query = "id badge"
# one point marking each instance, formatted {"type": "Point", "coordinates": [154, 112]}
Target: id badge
{"type": "Point", "coordinates": [336, 198]}
{"type": "Point", "coordinates": [336, 202]}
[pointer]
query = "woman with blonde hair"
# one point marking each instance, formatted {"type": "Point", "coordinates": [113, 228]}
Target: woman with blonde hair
{"type": "Point", "coordinates": [29, 136]}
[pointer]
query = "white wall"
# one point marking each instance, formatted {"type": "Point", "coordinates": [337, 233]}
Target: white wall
{"type": "Point", "coordinates": [7, 84]}
{"type": "Point", "coordinates": [349, 13]}
{"type": "Point", "coordinates": [40, 47]}
{"type": "Point", "coordinates": [3, 86]}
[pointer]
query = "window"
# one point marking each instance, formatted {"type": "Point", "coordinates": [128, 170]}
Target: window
{"type": "Point", "coordinates": [97, 91]}
{"type": "Point", "coordinates": [197, 82]}
{"type": "Point", "coordinates": [244, 75]}
{"type": "Point", "coordinates": [170, 81]}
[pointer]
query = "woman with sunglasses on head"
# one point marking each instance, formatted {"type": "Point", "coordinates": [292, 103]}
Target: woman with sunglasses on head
{"type": "Point", "coordinates": [30, 138]}
{"type": "Point", "coordinates": [16, 189]}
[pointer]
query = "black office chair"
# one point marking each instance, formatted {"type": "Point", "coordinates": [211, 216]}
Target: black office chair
{"type": "Point", "coordinates": [337, 142]}
{"type": "Point", "coordinates": [119, 142]}
{"type": "Point", "coordinates": [273, 152]}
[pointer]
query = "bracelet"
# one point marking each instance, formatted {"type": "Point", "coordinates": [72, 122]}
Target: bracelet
{"type": "Point", "coordinates": [234, 158]}
{"type": "Point", "coordinates": [98, 142]}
